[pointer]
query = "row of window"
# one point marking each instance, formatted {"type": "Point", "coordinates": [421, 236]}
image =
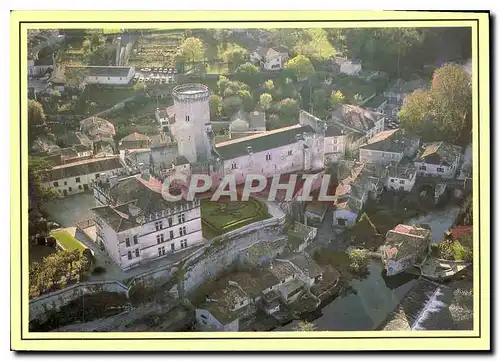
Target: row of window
{"type": "Point", "coordinates": [77, 180]}
{"type": "Point", "coordinates": [438, 169]}
{"type": "Point", "coordinates": [161, 250]}
{"type": "Point", "coordinates": [402, 181]}
{"type": "Point", "coordinates": [181, 218]}
{"type": "Point", "coordinates": [127, 241]}
{"type": "Point", "coordinates": [268, 158]}
{"type": "Point", "coordinates": [129, 254]}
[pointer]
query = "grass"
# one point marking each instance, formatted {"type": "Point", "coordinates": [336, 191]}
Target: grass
{"type": "Point", "coordinates": [221, 138]}
{"type": "Point", "coordinates": [155, 50]}
{"type": "Point", "coordinates": [67, 241]}
{"type": "Point", "coordinates": [350, 86]}
{"type": "Point", "coordinates": [224, 216]}
{"type": "Point", "coordinates": [319, 41]}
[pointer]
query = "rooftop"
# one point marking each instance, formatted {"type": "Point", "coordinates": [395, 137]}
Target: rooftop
{"type": "Point", "coordinates": [221, 303]}
{"type": "Point", "coordinates": [111, 71]}
{"type": "Point", "coordinates": [404, 172]}
{"type": "Point", "coordinates": [95, 126]}
{"type": "Point", "coordinates": [82, 167]}
{"type": "Point", "coordinates": [306, 264]}
{"type": "Point", "coordinates": [355, 117]}
{"type": "Point", "coordinates": [135, 137]}
{"type": "Point", "coordinates": [392, 141]}
{"type": "Point", "coordinates": [283, 269]}
{"type": "Point", "coordinates": [438, 153]}
{"type": "Point", "coordinates": [262, 141]}
{"type": "Point", "coordinates": [404, 240]}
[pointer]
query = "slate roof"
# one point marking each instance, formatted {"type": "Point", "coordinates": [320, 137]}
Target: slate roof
{"type": "Point", "coordinates": [146, 194]}
{"type": "Point", "coordinates": [255, 281]}
{"type": "Point", "coordinates": [392, 141]}
{"type": "Point", "coordinates": [111, 71]}
{"type": "Point", "coordinates": [77, 138]}
{"type": "Point", "coordinates": [257, 120]}
{"type": "Point", "coordinates": [438, 153]}
{"type": "Point", "coordinates": [405, 240]}
{"type": "Point", "coordinates": [355, 117]}
{"type": "Point", "coordinates": [307, 265]}
{"type": "Point", "coordinates": [115, 217]}
{"type": "Point", "coordinates": [75, 169]}
{"type": "Point", "coordinates": [334, 131]}
{"type": "Point", "coordinates": [261, 142]}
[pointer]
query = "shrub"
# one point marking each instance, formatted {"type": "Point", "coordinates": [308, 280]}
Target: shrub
{"type": "Point", "coordinates": [358, 259]}
{"type": "Point", "coordinates": [87, 253]}
{"type": "Point", "coordinates": [40, 240]}
{"type": "Point", "coordinates": [455, 251]}
{"type": "Point", "coordinates": [50, 242]}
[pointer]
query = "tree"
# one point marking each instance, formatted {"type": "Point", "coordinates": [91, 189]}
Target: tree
{"type": "Point", "coordinates": [223, 84]}
{"type": "Point", "coordinates": [305, 326]}
{"type": "Point", "coordinates": [247, 100]}
{"type": "Point", "coordinates": [300, 66]}
{"type": "Point", "coordinates": [357, 99]}
{"type": "Point", "coordinates": [288, 37]}
{"type": "Point", "coordinates": [192, 50]}
{"type": "Point", "coordinates": [358, 260]}
{"type": "Point", "coordinates": [140, 87]}
{"type": "Point", "coordinates": [337, 98]}
{"type": "Point", "coordinates": [248, 73]}
{"type": "Point", "coordinates": [320, 102]}
{"type": "Point", "coordinates": [215, 106]}
{"type": "Point", "coordinates": [444, 112]}
{"type": "Point", "coordinates": [231, 105]}
{"type": "Point", "coordinates": [265, 101]}
{"type": "Point", "coordinates": [288, 111]}
{"type": "Point", "coordinates": [36, 115]}
{"type": "Point", "coordinates": [269, 85]}
{"type": "Point", "coordinates": [235, 58]}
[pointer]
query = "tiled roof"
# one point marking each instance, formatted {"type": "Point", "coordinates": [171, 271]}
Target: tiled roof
{"type": "Point", "coordinates": [221, 302]}
{"type": "Point", "coordinates": [77, 138]}
{"type": "Point", "coordinates": [307, 265]}
{"type": "Point", "coordinates": [95, 126]}
{"type": "Point", "coordinates": [392, 141]}
{"type": "Point", "coordinates": [255, 281]}
{"type": "Point", "coordinates": [405, 240]}
{"type": "Point", "coordinates": [438, 153]}
{"type": "Point", "coordinates": [88, 166]}
{"type": "Point", "coordinates": [135, 137]}
{"type": "Point", "coordinates": [404, 172]}
{"type": "Point", "coordinates": [262, 141]}
{"type": "Point", "coordinates": [355, 117]}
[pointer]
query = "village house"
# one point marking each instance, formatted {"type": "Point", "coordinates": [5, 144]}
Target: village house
{"type": "Point", "coordinates": [134, 141]}
{"type": "Point", "coordinates": [244, 124]}
{"type": "Point", "coordinates": [404, 247]}
{"type": "Point", "coordinates": [401, 177]}
{"type": "Point", "coordinates": [289, 149]}
{"type": "Point", "coordinates": [335, 142]}
{"type": "Point", "coordinates": [60, 156]}
{"type": "Point", "coordinates": [79, 176]}
{"type": "Point", "coordinates": [77, 139]}
{"type": "Point", "coordinates": [399, 89]}
{"type": "Point", "coordinates": [270, 58]}
{"type": "Point", "coordinates": [438, 159]}
{"type": "Point", "coordinates": [136, 225]}
{"type": "Point", "coordinates": [357, 182]}
{"type": "Point", "coordinates": [389, 147]}
{"type": "Point", "coordinates": [357, 123]}
{"type": "Point", "coordinates": [235, 298]}
{"type": "Point", "coordinates": [165, 117]}
{"type": "Point", "coordinates": [105, 75]}
{"type": "Point", "coordinates": [347, 66]}
{"type": "Point", "coordinates": [97, 128]}
{"type": "Point", "coordinates": [315, 212]}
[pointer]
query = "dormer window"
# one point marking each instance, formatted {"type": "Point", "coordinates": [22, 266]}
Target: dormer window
{"type": "Point", "coordinates": [233, 165]}
{"type": "Point", "coordinates": [268, 156]}
{"type": "Point", "coordinates": [187, 118]}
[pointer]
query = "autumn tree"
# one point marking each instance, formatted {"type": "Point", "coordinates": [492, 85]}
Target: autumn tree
{"type": "Point", "coordinates": [337, 98]}
{"type": "Point", "coordinates": [36, 115]}
{"type": "Point", "coordinates": [265, 100]}
{"type": "Point", "coordinates": [191, 50]}
{"type": "Point", "coordinates": [269, 85]}
{"type": "Point", "coordinates": [300, 66]}
{"type": "Point", "coordinates": [235, 58]}
{"type": "Point", "coordinates": [444, 112]}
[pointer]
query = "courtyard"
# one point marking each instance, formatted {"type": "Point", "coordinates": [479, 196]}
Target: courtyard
{"type": "Point", "coordinates": [225, 216]}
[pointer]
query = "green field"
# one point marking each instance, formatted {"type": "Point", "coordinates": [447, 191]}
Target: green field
{"type": "Point", "coordinates": [155, 50]}
{"type": "Point", "coordinates": [225, 216]}
{"type": "Point", "coordinates": [319, 41]}
{"type": "Point", "coordinates": [67, 241]}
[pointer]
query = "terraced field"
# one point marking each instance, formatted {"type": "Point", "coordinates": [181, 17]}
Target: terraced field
{"type": "Point", "coordinates": [156, 50]}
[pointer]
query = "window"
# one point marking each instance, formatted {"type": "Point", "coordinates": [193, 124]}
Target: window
{"type": "Point", "coordinates": [289, 152]}
{"type": "Point", "coordinates": [172, 246]}
{"type": "Point", "coordinates": [233, 165]}
{"type": "Point", "coordinates": [184, 243]}
{"type": "Point", "coordinates": [422, 167]}
{"type": "Point", "coordinates": [109, 78]}
{"type": "Point", "coordinates": [137, 252]}
{"type": "Point", "coordinates": [129, 255]}
{"type": "Point", "coordinates": [392, 180]}
{"type": "Point", "coordinates": [127, 242]}
{"type": "Point", "coordinates": [77, 179]}
{"type": "Point", "coordinates": [268, 156]}
{"type": "Point", "coordinates": [341, 222]}
{"type": "Point", "coordinates": [159, 238]}
{"type": "Point", "coordinates": [135, 239]}
{"type": "Point", "coordinates": [80, 187]}
{"type": "Point", "coordinates": [182, 231]}
{"type": "Point", "coordinates": [70, 189]}
{"type": "Point", "coordinates": [334, 140]}
{"type": "Point", "coordinates": [170, 222]}
{"type": "Point", "coordinates": [65, 183]}
{"type": "Point", "coordinates": [97, 176]}
{"type": "Point", "coordinates": [159, 225]}
{"type": "Point", "coordinates": [440, 170]}
{"type": "Point", "coordinates": [203, 316]}
{"type": "Point", "coordinates": [402, 181]}
{"type": "Point", "coordinates": [171, 234]}
{"type": "Point", "coordinates": [56, 184]}
{"type": "Point", "coordinates": [187, 118]}
{"type": "Point", "coordinates": [181, 218]}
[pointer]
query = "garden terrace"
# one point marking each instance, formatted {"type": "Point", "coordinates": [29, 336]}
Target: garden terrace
{"type": "Point", "coordinates": [155, 50]}
{"type": "Point", "coordinates": [224, 216]}
{"type": "Point", "coordinates": [67, 241]}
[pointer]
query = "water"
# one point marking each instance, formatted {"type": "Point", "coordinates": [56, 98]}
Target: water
{"type": "Point", "coordinates": [374, 299]}
{"type": "Point", "coordinates": [440, 221]}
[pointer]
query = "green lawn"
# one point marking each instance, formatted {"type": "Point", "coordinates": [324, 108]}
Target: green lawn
{"type": "Point", "coordinates": [224, 216]}
{"type": "Point", "coordinates": [320, 42]}
{"type": "Point", "coordinates": [67, 241]}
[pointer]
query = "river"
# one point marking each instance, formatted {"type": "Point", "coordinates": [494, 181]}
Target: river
{"type": "Point", "coordinates": [375, 297]}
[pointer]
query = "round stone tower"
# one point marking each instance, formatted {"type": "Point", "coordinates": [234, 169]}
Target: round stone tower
{"type": "Point", "coordinates": [192, 121]}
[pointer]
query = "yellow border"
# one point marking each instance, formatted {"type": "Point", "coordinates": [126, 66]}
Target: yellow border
{"type": "Point", "coordinates": [458, 340]}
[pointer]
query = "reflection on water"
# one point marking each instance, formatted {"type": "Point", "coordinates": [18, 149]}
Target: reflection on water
{"type": "Point", "coordinates": [373, 299]}
{"type": "Point", "coordinates": [440, 221]}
